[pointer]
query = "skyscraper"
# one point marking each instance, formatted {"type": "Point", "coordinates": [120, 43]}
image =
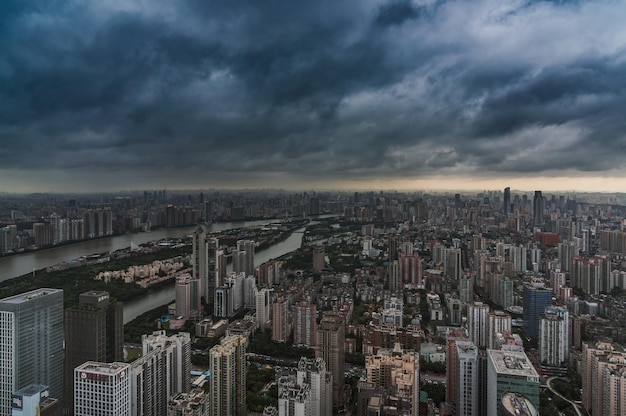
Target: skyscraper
{"type": "Point", "coordinates": [538, 207]}
{"type": "Point", "coordinates": [554, 337]}
{"type": "Point", "coordinates": [331, 348]}
{"type": "Point", "coordinates": [262, 308]}
{"type": "Point", "coordinates": [535, 300]}
{"type": "Point", "coordinates": [243, 257]}
{"type": "Point", "coordinates": [203, 260]}
{"type": "Point", "coordinates": [467, 367]}
{"type": "Point", "coordinates": [305, 324]}
{"type": "Point", "coordinates": [506, 206]}
{"type": "Point", "coordinates": [280, 320]}
{"type": "Point", "coordinates": [478, 323]}
{"type": "Point", "coordinates": [227, 363]}
{"type": "Point", "coordinates": [162, 371]}
{"type": "Point", "coordinates": [94, 331]}
{"type": "Point", "coordinates": [31, 343]}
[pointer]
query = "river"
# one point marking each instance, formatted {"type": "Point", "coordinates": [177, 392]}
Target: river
{"type": "Point", "coordinates": [20, 264]}
{"type": "Point", "coordinates": [167, 295]}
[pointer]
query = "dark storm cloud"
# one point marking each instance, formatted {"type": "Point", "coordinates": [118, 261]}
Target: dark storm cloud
{"type": "Point", "coordinates": [329, 89]}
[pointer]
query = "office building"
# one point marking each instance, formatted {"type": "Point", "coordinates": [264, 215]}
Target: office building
{"type": "Point", "coordinates": [510, 372]}
{"type": "Point", "coordinates": [331, 348]}
{"type": "Point", "coordinates": [506, 205]}
{"type": "Point", "coordinates": [536, 299]}
{"type": "Point", "coordinates": [467, 388]}
{"type": "Point", "coordinates": [34, 400]}
{"type": "Point", "coordinates": [102, 389]}
{"type": "Point", "coordinates": [31, 343]}
{"type": "Point", "coordinates": [305, 324]}
{"type": "Point", "coordinates": [227, 363]}
{"type": "Point", "coordinates": [94, 331]}
{"type": "Point", "coordinates": [162, 371]}
{"type": "Point", "coordinates": [478, 323]}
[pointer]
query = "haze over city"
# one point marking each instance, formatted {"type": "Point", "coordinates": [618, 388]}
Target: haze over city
{"type": "Point", "coordinates": [114, 95]}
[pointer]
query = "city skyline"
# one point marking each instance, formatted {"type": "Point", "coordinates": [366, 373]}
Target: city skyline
{"type": "Point", "coordinates": [357, 95]}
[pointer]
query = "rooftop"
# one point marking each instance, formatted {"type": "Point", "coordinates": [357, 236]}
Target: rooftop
{"type": "Point", "coordinates": [102, 368]}
{"type": "Point", "coordinates": [515, 363]}
{"type": "Point", "coordinates": [28, 296]}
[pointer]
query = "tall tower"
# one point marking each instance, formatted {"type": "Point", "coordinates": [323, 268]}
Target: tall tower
{"type": "Point", "coordinates": [506, 206]}
{"type": "Point", "coordinates": [535, 301]}
{"type": "Point", "coordinates": [554, 337]}
{"type": "Point", "coordinates": [31, 343]}
{"type": "Point", "coordinates": [203, 259]}
{"type": "Point", "coordinates": [478, 323]}
{"type": "Point", "coordinates": [331, 348]}
{"type": "Point", "coordinates": [467, 367]}
{"type": "Point", "coordinates": [162, 371]}
{"type": "Point", "coordinates": [94, 331]}
{"type": "Point", "coordinates": [227, 362]}
{"type": "Point", "coordinates": [243, 258]}
{"type": "Point", "coordinates": [305, 325]}
{"type": "Point", "coordinates": [538, 209]}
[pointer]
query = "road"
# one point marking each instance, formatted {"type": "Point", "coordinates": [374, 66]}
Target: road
{"type": "Point", "coordinates": [574, 405]}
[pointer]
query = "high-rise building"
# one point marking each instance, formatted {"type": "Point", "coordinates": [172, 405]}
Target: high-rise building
{"type": "Point", "coordinates": [162, 371]}
{"type": "Point", "coordinates": [188, 296]}
{"type": "Point", "coordinates": [319, 258]}
{"type": "Point", "coordinates": [535, 301]}
{"type": "Point", "coordinates": [313, 372]}
{"type": "Point", "coordinates": [554, 337]}
{"type": "Point", "coordinates": [280, 320]}
{"type": "Point", "coordinates": [467, 367]}
{"type": "Point", "coordinates": [411, 270]}
{"type": "Point", "coordinates": [331, 348]}
{"type": "Point", "coordinates": [499, 323]}
{"type": "Point", "coordinates": [203, 260]}
{"type": "Point", "coordinates": [478, 323]}
{"type": "Point", "coordinates": [538, 207]}
{"type": "Point", "coordinates": [305, 324]}
{"type": "Point", "coordinates": [243, 257]}
{"type": "Point", "coordinates": [506, 206]}
{"type": "Point", "coordinates": [227, 363]}
{"type": "Point", "coordinates": [262, 308]}
{"type": "Point", "coordinates": [94, 331]}
{"type": "Point", "coordinates": [510, 372]}
{"type": "Point", "coordinates": [102, 389]}
{"type": "Point", "coordinates": [31, 343]}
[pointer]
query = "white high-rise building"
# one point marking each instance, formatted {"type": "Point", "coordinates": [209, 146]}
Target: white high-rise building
{"type": "Point", "coordinates": [467, 367]}
{"type": "Point", "coordinates": [102, 389]}
{"type": "Point", "coordinates": [162, 371]}
{"type": "Point", "coordinates": [31, 343]}
{"type": "Point", "coordinates": [478, 324]}
{"type": "Point", "coordinates": [313, 372]}
{"type": "Point", "coordinates": [499, 323]}
{"type": "Point", "coordinates": [203, 261]}
{"type": "Point", "coordinates": [262, 308]}
{"type": "Point", "coordinates": [243, 257]}
{"type": "Point", "coordinates": [554, 337]}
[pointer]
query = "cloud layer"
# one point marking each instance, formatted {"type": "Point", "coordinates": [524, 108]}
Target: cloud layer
{"type": "Point", "coordinates": [199, 92]}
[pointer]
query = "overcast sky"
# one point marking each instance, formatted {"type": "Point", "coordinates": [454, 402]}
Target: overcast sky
{"type": "Point", "coordinates": [352, 94]}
